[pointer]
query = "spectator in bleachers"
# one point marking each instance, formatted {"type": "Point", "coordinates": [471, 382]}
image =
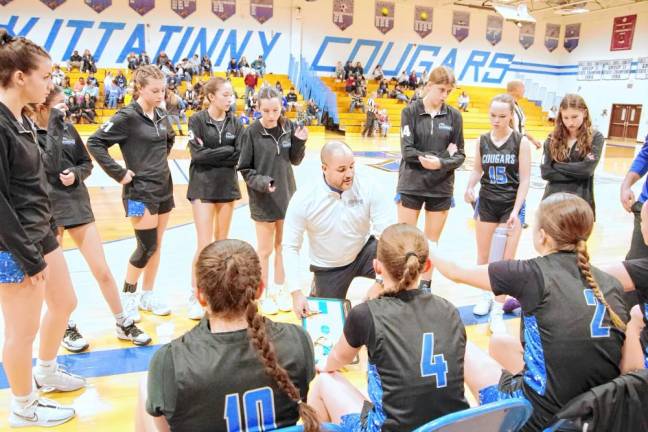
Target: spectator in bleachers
{"type": "Point", "coordinates": [112, 95]}
{"type": "Point", "coordinates": [57, 75]}
{"type": "Point", "coordinates": [383, 88]}
{"type": "Point", "coordinates": [67, 87]}
{"type": "Point", "coordinates": [358, 70]}
{"type": "Point", "coordinates": [291, 99]}
{"type": "Point", "coordinates": [339, 72]}
{"type": "Point", "coordinates": [121, 82]}
{"type": "Point", "coordinates": [143, 59]}
{"type": "Point", "coordinates": [206, 65]}
{"type": "Point", "coordinates": [190, 97]}
{"type": "Point", "coordinates": [243, 63]}
{"type": "Point", "coordinates": [233, 68]}
{"type": "Point", "coordinates": [350, 84]}
{"type": "Point", "coordinates": [378, 74]}
{"type": "Point", "coordinates": [399, 93]}
{"type": "Point", "coordinates": [87, 109]}
{"type": "Point", "coordinates": [169, 72]}
{"type": "Point", "coordinates": [89, 64]}
{"type": "Point", "coordinates": [259, 66]}
{"type": "Point", "coordinates": [91, 90]}
{"type": "Point", "coordinates": [75, 61]}
{"type": "Point", "coordinates": [361, 84]}
{"type": "Point", "coordinates": [232, 109]}
{"type": "Point", "coordinates": [132, 61]}
{"type": "Point", "coordinates": [551, 115]}
{"type": "Point", "coordinates": [162, 60]}
{"type": "Point", "coordinates": [279, 87]}
{"type": "Point", "coordinates": [413, 80]}
{"type": "Point", "coordinates": [184, 70]}
{"type": "Point", "coordinates": [92, 79]}
{"type": "Point", "coordinates": [464, 101]}
{"type": "Point", "coordinates": [196, 65]}
{"type": "Point", "coordinates": [250, 81]}
{"type": "Point", "coordinates": [173, 108]}
{"type": "Point", "coordinates": [403, 79]}
{"type": "Point", "coordinates": [348, 70]}
{"type": "Point", "coordinates": [370, 121]}
{"type": "Point", "coordinates": [108, 81]}
{"type": "Point", "coordinates": [78, 89]}
{"type": "Point", "coordinates": [356, 101]}
{"type": "Point", "coordinates": [383, 122]}
{"type": "Point", "coordinates": [312, 111]}
{"type": "Point", "coordinates": [250, 103]}
{"type": "Point", "coordinates": [74, 109]}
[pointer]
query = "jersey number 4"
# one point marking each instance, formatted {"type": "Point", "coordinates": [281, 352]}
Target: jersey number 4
{"type": "Point", "coordinates": [597, 329]}
{"type": "Point", "coordinates": [258, 409]}
{"type": "Point", "coordinates": [497, 174]}
{"type": "Point", "coordinates": [432, 364]}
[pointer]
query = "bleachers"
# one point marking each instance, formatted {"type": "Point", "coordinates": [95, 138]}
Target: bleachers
{"type": "Point", "coordinates": [475, 120]}
{"type": "Point", "coordinates": [104, 114]}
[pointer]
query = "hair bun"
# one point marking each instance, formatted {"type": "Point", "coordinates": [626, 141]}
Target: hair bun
{"type": "Point", "coordinates": [5, 37]}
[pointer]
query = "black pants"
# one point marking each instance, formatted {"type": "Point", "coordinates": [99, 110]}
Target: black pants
{"type": "Point", "coordinates": [334, 282]}
{"type": "Point", "coordinates": [638, 249]}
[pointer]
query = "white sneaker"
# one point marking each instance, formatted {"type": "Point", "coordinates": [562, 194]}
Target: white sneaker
{"type": "Point", "coordinates": [59, 380]}
{"type": "Point", "coordinates": [484, 304]}
{"type": "Point", "coordinates": [196, 311]}
{"type": "Point", "coordinates": [41, 412]}
{"type": "Point", "coordinates": [496, 322]}
{"type": "Point", "coordinates": [150, 301]}
{"type": "Point", "coordinates": [283, 300]}
{"type": "Point", "coordinates": [268, 306]}
{"type": "Point", "coordinates": [130, 301]}
{"type": "Point", "coordinates": [129, 331]}
{"type": "Point", "coordinates": [73, 341]}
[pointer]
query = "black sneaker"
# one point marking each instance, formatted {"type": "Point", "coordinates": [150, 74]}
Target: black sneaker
{"type": "Point", "coordinates": [129, 331]}
{"type": "Point", "coordinates": [73, 341]}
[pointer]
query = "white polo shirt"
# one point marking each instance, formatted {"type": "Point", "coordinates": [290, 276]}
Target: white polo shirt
{"type": "Point", "coordinates": [338, 226]}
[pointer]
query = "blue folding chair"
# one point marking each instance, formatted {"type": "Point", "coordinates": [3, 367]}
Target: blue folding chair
{"type": "Point", "coordinates": [328, 427]}
{"type": "Point", "coordinates": [502, 416]}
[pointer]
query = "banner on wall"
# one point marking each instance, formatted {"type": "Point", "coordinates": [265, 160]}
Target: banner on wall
{"type": "Point", "coordinates": [590, 70]}
{"type": "Point", "coordinates": [261, 10]}
{"type": "Point", "coordinates": [224, 9]}
{"type": "Point", "coordinates": [460, 25]}
{"type": "Point", "coordinates": [98, 5]}
{"type": "Point", "coordinates": [642, 68]}
{"type": "Point", "coordinates": [617, 69]}
{"type": "Point", "coordinates": [623, 32]}
{"type": "Point", "coordinates": [384, 15]}
{"type": "Point", "coordinates": [184, 8]}
{"type": "Point", "coordinates": [494, 26]}
{"type": "Point", "coordinates": [527, 35]}
{"type": "Point", "coordinates": [552, 36]}
{"type": "Point", "coordinates": [343, 13]}
{"type": "Point", "coordinates": [423, 20]}
{"type": "Point", "coordinates": [572, 36]}
{"type": "Point", "coordinates": [52, 4]}
{"type": "Point", "coordinates": [142, 7]}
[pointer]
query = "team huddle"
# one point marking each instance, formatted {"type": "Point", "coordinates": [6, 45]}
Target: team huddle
{"type": "Point", "coordinates": [238, 370]}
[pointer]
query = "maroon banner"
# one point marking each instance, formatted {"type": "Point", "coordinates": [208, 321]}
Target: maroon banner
{"type": "Point", "coordinates": [572, 36]}
{"type": "Point", "coordinates": [98, 5]}
{"type": "Point", "coordinates": [261, 10]}
{"type": "Point", "coordinates": [623, 33]}
{"type": "Point", "coordinates": [343, 13]}
{"type": "Point", "coordinates": [423, 20]}
{"type": "Point", "coordinates": [184, 8]}
{"type": "Point", "coordinates": [52, 4]}
{"type": "Point", "coordinates": [384, 15]}
{"type": "Point", "coordinates": [142, 7]}
{"type": "Point", "coordinates": [224, 9]}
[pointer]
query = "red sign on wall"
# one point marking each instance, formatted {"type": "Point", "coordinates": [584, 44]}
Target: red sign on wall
{"type": "Point", "coordinates": [623, 32]}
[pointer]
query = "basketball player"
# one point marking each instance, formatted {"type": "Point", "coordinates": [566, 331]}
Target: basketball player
{"type": "Point", "coordinates": [415, 342]}
{"type": "Point", "coordinates": [572, 151]}
{"type": "Point", "coordinates": [32, 267]}
{"type": "Point", "coordinates": [72, 211]}
{"type": "Point", "coordinates": [269, 148]}
{"type": "Point", "coordinates": [145, 139]}
{"type": "Point", "coordinates": [214, 142]}
{"type": "Point", "coordinates": [503, 166]}
{"type": "Point", "coordinates": [243, 372]}
{"type": "Point", "coordinates": [573, 316]}
{"type": "Point", "coordinates": [432, 147]}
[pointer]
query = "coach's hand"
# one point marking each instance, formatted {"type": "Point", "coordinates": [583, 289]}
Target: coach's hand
{"type": "Point", "coordinates": [300, 304]}
{"type": "Point", "coordinates": [627, 198]}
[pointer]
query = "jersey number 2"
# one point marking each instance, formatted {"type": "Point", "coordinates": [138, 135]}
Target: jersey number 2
{"type": "Point", "coordinates": [432, 364]}
{"type": "Point", "coordinates": [258, 409]}
{"type": "Point", "coordinates": [497, 174]}
{"type": "Point", "coordinates": [597, 329]}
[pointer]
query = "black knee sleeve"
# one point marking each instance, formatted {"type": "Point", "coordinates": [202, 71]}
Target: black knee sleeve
{"type": "Point", "coordinates": [146, 247]}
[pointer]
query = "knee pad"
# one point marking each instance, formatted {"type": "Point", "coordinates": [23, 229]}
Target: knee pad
{"type": "Point", "coordinates": [146, 247]}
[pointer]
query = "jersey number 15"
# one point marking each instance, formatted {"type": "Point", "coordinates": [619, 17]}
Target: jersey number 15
{"type": "Point", "coordinates": [432, 364]}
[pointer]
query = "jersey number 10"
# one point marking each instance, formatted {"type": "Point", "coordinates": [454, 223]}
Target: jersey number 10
{"type": "Point", "coordinates": [432, 364]}
{"type": "Point", "coordinates": [258, 409]}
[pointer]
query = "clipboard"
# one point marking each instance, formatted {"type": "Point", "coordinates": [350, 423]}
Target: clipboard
{"type": "Point", "coordinates": [325, 325]}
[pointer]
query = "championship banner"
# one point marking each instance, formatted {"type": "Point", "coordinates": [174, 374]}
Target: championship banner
{"type": "Point", "coordinates": [224, 9]}
{"type": "Point", "coordinates": [142, 7]}
{"type": "Point", "coordinates": [184, 8]}
{"type": "Point", "coordinates": [52, 4]}
{"type": "Point", "coordinates": [384, 16]}
{"type": "Point", "coordinates": [343, 13]}
{"type": "Point", "coordinates": [460, 25]}
{"type": "Point", "coordinates": [617, 69]}
{"type": "Point", "coordinates": [423, 20]}
{"type": "Point", "coordinates": [642, 68]}
{"type": "Point", "coordinates": [572, 36]}
{"type": "Point", "coordinates": [552, 37]}
{"type": "Point", "coordinates": [590, 70]}
{"type": "Point", "coordinates": [98, 5]}
{"type": "Point", "coordinates": [527, 35]}
{"type": "Point", "coordinates": [623, 33]}
{"type": "Point", "coordinates": [494, 27]}
{"type": "Point", "coordinates": [261, 10]}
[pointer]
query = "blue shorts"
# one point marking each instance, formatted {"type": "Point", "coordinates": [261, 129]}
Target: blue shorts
{"type": "Point", "coordinates": [136, 208]}
{"type": "Point", "coordinates": [510, 387]}
{"type": "Point", "coordinates": [361, 422]}
{"type": "Point", "coordinates": [10, 271]}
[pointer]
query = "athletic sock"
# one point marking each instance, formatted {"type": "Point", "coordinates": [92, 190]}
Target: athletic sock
{"type": "Point", "coordinates": [130, 288]}
{"type": "Point", "coordinates": [21, 402]}
{"type": "Point", "coordinates": [120, 318]}
{"type": "Point", "coordinates": [44, 367]}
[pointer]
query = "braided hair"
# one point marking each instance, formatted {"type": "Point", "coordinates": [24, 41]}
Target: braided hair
{"type": "Point", "coordinates": [228, 272]}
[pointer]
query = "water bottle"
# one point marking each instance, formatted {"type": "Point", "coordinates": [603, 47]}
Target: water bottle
{"type": "Point", "coordinates": [498, 244]}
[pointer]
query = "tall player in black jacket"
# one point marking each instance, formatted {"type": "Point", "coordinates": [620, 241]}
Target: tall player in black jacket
{"type": "Point", "coordinates": [215, 145]}
{"type": "Point", "coordinates": [415, 342]}
{"type": "Point", "coordinates": [145, 139]}
{"type": "Point", "coordinates": [573, 317]}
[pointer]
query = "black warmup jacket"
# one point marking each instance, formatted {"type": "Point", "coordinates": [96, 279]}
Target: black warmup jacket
{"type": "Point", "coordinates": [145, 145]}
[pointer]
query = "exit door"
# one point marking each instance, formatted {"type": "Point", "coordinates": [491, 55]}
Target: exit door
{"type": "Point", "coordinates": [624, 121]}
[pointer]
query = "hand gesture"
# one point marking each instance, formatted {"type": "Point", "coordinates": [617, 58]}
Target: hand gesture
{"type": "Point", "coordinates": [300, 304]}
{"type": "Point", "coordinates": [127, 178]}
{"type": "Point", "coordinates": [67, 177]}
{"type": "Point", "coordinates": [627, 199]}
{"type": "Point", "coordinates": [302, 133]}
{"type": "Point", "coordinates": [430, 162]}
{"type": "Point", "coordinates": [469, 196]}
{"type": "Point", "coordinates": [452, 149]}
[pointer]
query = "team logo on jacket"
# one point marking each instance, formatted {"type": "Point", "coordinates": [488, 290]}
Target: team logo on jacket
{"type": "Point", "coordinates": [285, 143]}
{"type": "Point", "coordinates": [229, 135]}
{"type": "Point", "coordinates": [443, 126]}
